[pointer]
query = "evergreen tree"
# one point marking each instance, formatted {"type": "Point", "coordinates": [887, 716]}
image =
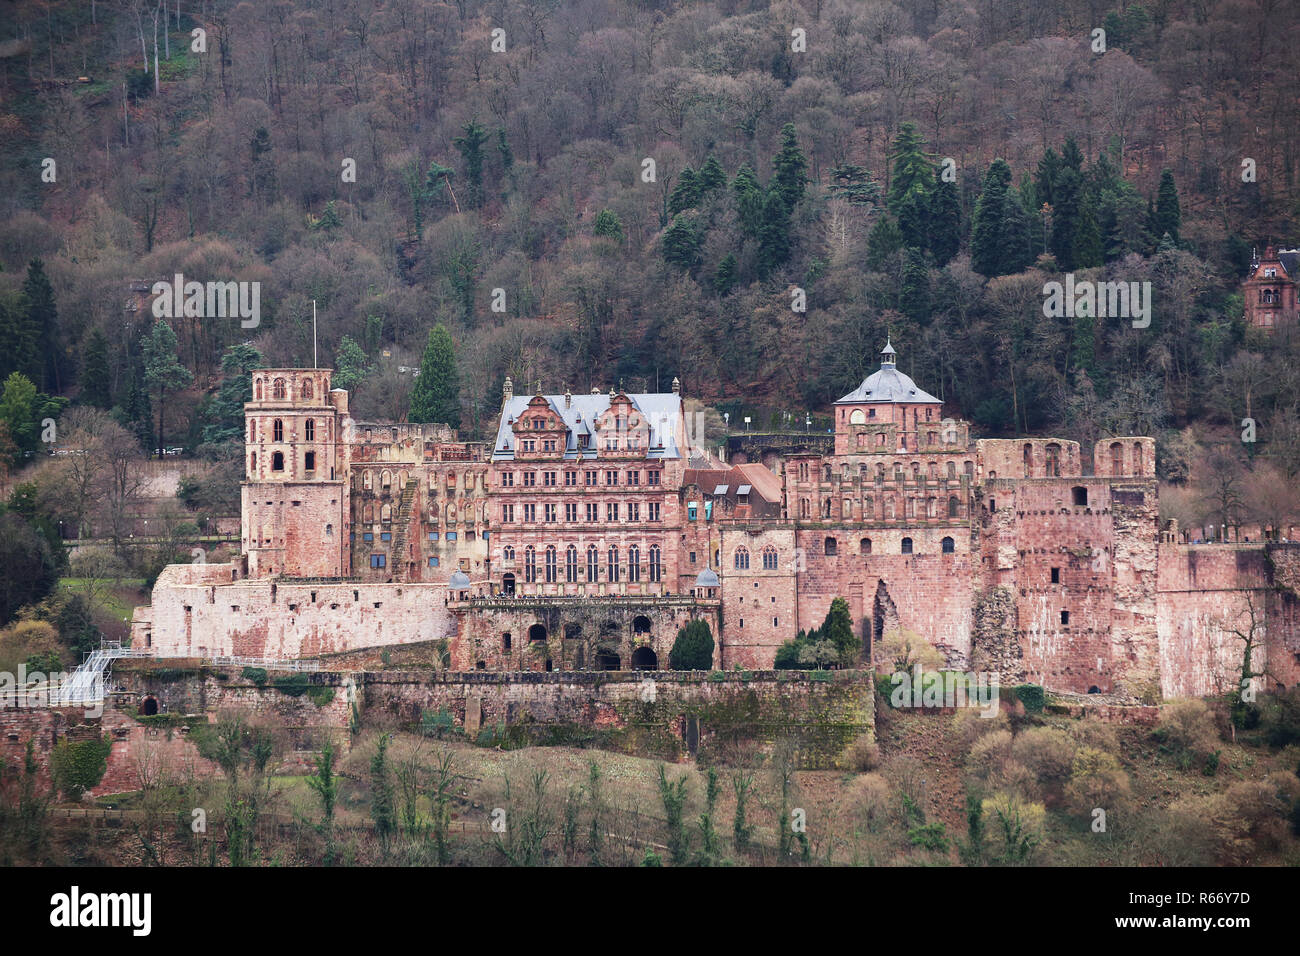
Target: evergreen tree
{"type": "Point", "coordinates": [986, 242]}
{"type": "Point", "coordinates": [911, 169]}
{"type": "Point", "coordinates": [43, 321]}
{"type": "Point", "coordinates": [1088, 249]}
{"type": "Point", "coordinates": [711, 177]}
{"type": "Point", "coordinates": [686, 194]}
{"type": "Point", "coordinates": [96, 380]}
{"type": "Point", "coordinates": [261, 180]}
{"type": "Point", "coordinates": [883, 241]}
{"type": "Point", "coordinates": [945, 223]}
{"type": "Point", "coordinates": [854, 184]}
{"type": "Point", "coordinates": [1065, 216]}
{"type": "Point", "coordinates": [136, 411]}
{"type": "Point", "coordinates": [1169, 215]}
{"type": "Point", "coordinates": [18, 413]}
{"type": "Point", "coordinates": [470, 146]}
{"type": "Point", "coordinates": [749, 200]}
{"type": "Point", "coordinates": [608, 225]}
{"type": "Point", "coordinates": [915, 292]}
{"type": "Point", "coordinates": [1017, 243]}
{"type": "Point", "coordinates": [693, 648]}
{"type": "Point", "coordinates": [914, 219]}
{"type": "Point", "coordinates": [838, 629]}
{"type": "Point", "coordinates": [1071, 157]}
{"type": "Point", "coordinates": [163, 371]}
{"type": "Point", "coordinates": [225, 413]}
{"type": "Point", "coordinates": [1049, 167]}
{"type": "Point", "coordinates": [788, 168]}
{"type": "Point", "coordinates": [774, 237]}
{"type": "Point", "coordinates": [436, 396]}
{"type": "Point", "coordinates": [503, 149]}
{"type": "Point", "coordinates": [350, 365]}
{"type": "Point", "coordinates": [681, 244]}
{"type": "Point", "coordinates": [725, 276]}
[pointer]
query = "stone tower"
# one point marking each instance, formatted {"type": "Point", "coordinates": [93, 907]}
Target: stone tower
{"type": "Point", "coordinates": [295, 492]}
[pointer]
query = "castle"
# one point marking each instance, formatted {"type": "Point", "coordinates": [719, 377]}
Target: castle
{"type": "Point", "coordinates": [595, 526]}
{"type": "Point", "coordinates": [1269, 299]}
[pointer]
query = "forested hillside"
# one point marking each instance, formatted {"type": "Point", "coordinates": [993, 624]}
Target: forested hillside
{"type": "Point", "coordinates": [605, 191]}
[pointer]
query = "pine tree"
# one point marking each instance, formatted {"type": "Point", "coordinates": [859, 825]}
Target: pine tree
{"type": "Point", "coordinates": [854, 184]}
{"type": "Point", "coordinates": [911, 169]}
{"type": "Point", "coordinates": [725, 276]}
{"type": "Point", "coordinates": [711, 177]}
{"type": "Point", "coordinates": [436, 396]}
{"type": "Point", "coordinates": [681, 244]}
{"type": "Point", "coordinates": [1049, 167]}
{"type": "Point", "coordinates": [470, 146]}
{"type": "Point", "coordinates": [1088, 249]}
{"type": "Point", "coordinates": [774, 237]}
{"type": "Point", "coordinates": [915, 292]}
{"type": "Point", "coordinates": [43, 321]}
{"type": "Point", "coordinates": [350, 365]}
{"type": "Point", "coordinates": [1017, 244]}
{"type": "Point", "coordinates": [21, 352]}
{"type": "Point", "coordinates": [225, 413]}
{"type": "Point", "coordinates": [96, 380]}
{"type": "Point", "coordinates": [608, 225]}
{"type": "Point", "coordinates": [686, 194]}
{"type": "Point", "coordinates": [883, 241]}
{"type": "Point", "coordinates": [18, 412]}
{"type": "Point", "coordinates": [1065, 216]}
{"type": "Point", "coordinates": [945, 223]}
{"type": "Point", "coordinates": [163, 371]}
{"type": "Point", "coordinates": [914, 219]}
{"type": "Point", "coordinates": [788, 168]}
{"type": "Point", "coordinates": [986, 243]}
{"type": "Point", "coordinates": [749, 200]}
{"type": "Point", "coordinates": [838, 629]}
{"type": "Point", "coordinates": [1169, 214]}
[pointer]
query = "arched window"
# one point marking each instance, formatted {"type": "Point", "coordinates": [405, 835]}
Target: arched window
{"type": "Point", "coordinates": [864, 546]}
{"type": "Point", "coordinates": [611, 567]}
{"type": "Point", "coordinates": [593, 564]}
{"type": "Point", "coordinates": [306, 388]}
{"type": "Point", "coordinates": [367, 480]}
{"type": "Point", "coordinates": [530, 564]}
{"type": "Point", "coordinates": [277, 430]}
{"type": "Point", "coordinates": [1137, 458]}
{"type": "Point", "coordinates": [948, 546]}
{"type": "Point", "coordinates": [858, 417]}
{"type": "Point", "coordinates": [634, 563]}
{"type": "Point", "coordinates": [1029, 460]}
{"type": "Point", "coordinates": [277, 461]}
{"type": "Point", "coordinates": [252, 463]}
{"type": "Point", "coordinates": [952, 469]}
{"type": "Point", "coordinates": [368, 514]}
{"type": "Point", "coordinates": [656, 564]}
{"type": "Point", "coordinates": [309, 430]}
{"type": "Point", "coordinates": [1116, 459]}
{"type": "Point", "coordinates": [257, 390]}
{"type": "Point", "coordinates": [742, 559]}
{"type": "Point", "coordinates": [826, 473]}
{"type": "Point", "coordinates": [385, 480]}
{"type": "Point", "coordinates": [571, 565]}
{"type": "Point", "coordinates": [907, 546]}
{"type": "Point", "coordinates": [769, 558]}
{"type": "Point", "coordinates": [508, 555]}
{"type": "Point", "coordinates": [1053, 461]}
{"type": "Point", "coordinates": [277, 389]}
{"type": "Point", "coordinates": [954, 507]}
{"type": "Point", "coordinates": [868, 507]}
{"type": "Point", "coordinates": [551, 575]}
{"type": "Point", "coordinates": [803, 508]}
{"type": "Point", "coordinates": [386, 513]}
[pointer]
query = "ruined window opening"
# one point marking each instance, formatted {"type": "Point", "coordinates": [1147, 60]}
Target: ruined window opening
{"type": "Point", "coordinates": [1080, 497]}
{"type": "Point", "coordinates": [948, 546]}
{"type": "Point", "coordinates": [907, 546]}
{"type": "Point", "coordinates": [277, 461]}
{"type": "Point", "coordinates": [1056, 575]}
{"type": "Point", "coordinates": [309, 461]}
{"type": "Point", "coordinates": [830, 546]}
{"type": "Point", "coordinates": [1065, 617]}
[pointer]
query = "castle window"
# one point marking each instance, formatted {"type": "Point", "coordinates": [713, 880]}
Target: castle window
{"type": "Point", "coordinates": [1116, 459]}
{"type": "Point", "coordinates": [277, 389]}
{"type": "Point", "coordinates": [656, 564]}
{"type": "Point", "coordinates": [857, 418]}
{"type": "Point", "coordinates": [306, 388]}
{"type": "Point", "coordinates": [309, 461]}
{"type": "Point", "coordinates": [593, 564]}
{"type": "Point", "coordinates": [252, 462]}
{"type": "Point", "coordinates": [530, 564]}
{"type": "Point", "coordinates": [830, 546]}
{"type": "Point", "coordinates": [864, 546]}
{"type": "Point", "coordinates": [954, 507]}
{"type": "Point", "coordinates": [257, 390]}
{"type": "Point", "coordinates": [952, 469]}
{"type": "Point", "coordinates": [612, 567]}
{"type": "Point", "coordinates": [1053, 461]}
{"type": "Point", "coordinates": [1029, 460]}
{"type": "Point", "coordinates": [948, 546]}
{"type": "Point", "coordinates": [741, 559]}
{"type": "Point", "coordinates": [571, 565]}
{"type": "Point", "coordinates": [277, 461]}
{"type": "Point", "coordinates": [1137, 458]}
{"type": "Point", "coordinates": [277, 430]}
{"type": "Point", "coordinates": [550, 565]}
{"type": "Point", "coordinates": [329, 531]}
{"type": "Point", "coordinates": [505, 641]}
{"type": "Point", "coordinates": [907, 546]}
{"type": "Point", "coordinates": [309, 430]}
{"type": "Point", "coordinates": [634, 563]}
{"type": "Point", "coordinates": [378, 560]}
{"type": "Point", "coordinates": [769, 558]}
{"type": "Point", "coordinates": [1080, 497]}
{"type": "Point", "coordinates": [1056, 575]}
{"type": "Point", "coordinates": [1065, 617]}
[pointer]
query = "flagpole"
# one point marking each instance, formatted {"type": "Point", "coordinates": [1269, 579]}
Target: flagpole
{"type": "Point", "coordinates": [314, 363]}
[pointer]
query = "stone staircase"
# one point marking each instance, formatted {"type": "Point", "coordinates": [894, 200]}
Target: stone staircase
{"type": "Point", "coordinates": [401, 520]}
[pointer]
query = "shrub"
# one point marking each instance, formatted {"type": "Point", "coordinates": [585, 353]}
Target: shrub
{"type": "Point", "coordinates": [863, 755]}
{"type": "Point", "coordinates": [256, 674]}
{"type": "Point", "coordinates": [294, 685]}
{"type": "Point", "coordinates": [868, 801]}
{"type": "Point", "coordinates": [930, 836]}
{"type": "Point", "coordinates": [1047, 753]}
{"type": "Point", "coordinates": [1094, 733]}
{"type": "Point", "coordinates": [1188, 731]}
{"type": "Point", "coordinates": [968, 727]}
{"type": "Point", "coordinates": [1282, 719]}
{"type": "Point", "coordinates": [693, 648]}
{"type": "Point", "coordinates": [1032, 696]}
{"type": "Point", "coordinates": [320, 695]}
{"type": "Point", "coordinates": [1017, 824]}
{"type": "Point", "coordinates": [1096, 780]}
{"type": "Point", "coordinates": [79, 766]}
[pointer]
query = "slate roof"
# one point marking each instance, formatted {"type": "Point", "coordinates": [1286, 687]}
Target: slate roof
{"type": "Point", "coordinates": [662, 411]}
{"type": "Point", "coordinates": [888, 384]}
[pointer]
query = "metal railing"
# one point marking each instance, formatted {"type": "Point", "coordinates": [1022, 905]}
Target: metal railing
{"type": "Point", "coordinates": [266, 663]}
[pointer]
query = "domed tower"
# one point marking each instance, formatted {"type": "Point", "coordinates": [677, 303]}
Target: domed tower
{"type": "Point", "coordinates": [295, 491]}
{"type": "Point", "coordinates": [884, 414]}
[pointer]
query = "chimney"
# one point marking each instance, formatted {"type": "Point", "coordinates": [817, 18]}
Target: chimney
{"type": "Point", "coordinates": [568, 397]}
{"type": "Point", "coordinates": [507, 392]}
{"type": "Point", "coordinates": [677, 386]}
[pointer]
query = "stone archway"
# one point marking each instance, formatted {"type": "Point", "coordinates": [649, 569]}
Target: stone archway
{"type": "Point", "coordinates": [644, 659]}
{"type": "Point", "coordinates": [149, 706]}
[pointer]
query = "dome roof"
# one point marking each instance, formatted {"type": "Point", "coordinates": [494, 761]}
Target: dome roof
{"type": "Point", "coordinates": [459, 581]}
{"type": "Point", "coordinates": [706, 579]}
{"type": "Point", "coordinates": [888, 384]}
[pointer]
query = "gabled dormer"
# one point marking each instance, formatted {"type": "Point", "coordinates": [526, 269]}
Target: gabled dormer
{"type": "Point", "coordinates": [540, 432]}
{"type": "Point", "coordinates": [622, 431]}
